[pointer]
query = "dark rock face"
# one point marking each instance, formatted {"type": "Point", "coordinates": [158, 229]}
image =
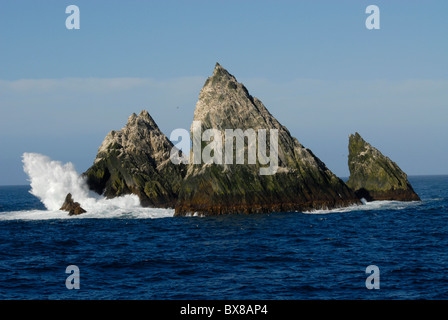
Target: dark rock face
{"type": "Point", "coordinates": [73, 208]}
{"type": "Point", "coordinates": [301, 182]}
{"type": "Point", "coordinates": [136, 160]}
{"type": "Point", "coordinates": [374, 176]}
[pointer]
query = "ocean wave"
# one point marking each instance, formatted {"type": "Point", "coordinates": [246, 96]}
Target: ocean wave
{"type": "Point", "coordinates": [140, 213]}
{"type": "Point", "coordinates": [368, 206]}
{"type": "Point", "coordinates": [51, 181]}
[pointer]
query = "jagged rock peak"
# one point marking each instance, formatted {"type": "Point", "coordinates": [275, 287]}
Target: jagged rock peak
{"type": "Point", "coordinates": [144, 115]}
{"type": "Point", "coordinates": [220, 71]}
{"type": "Point", "coordinates": [374, 176]}
{"type": "Point", "coordinates": [140, 133]}
{"type": "Point", "coordinates": [226, 103]}
{"type": "Point", "coordinates": [143, 118]}
{"type": "Point", "coordinates": [136, 159]}
{"type": "Point", "coordinates": [221, 77]}
{"type": "Point", "coordinates": [301, 181]}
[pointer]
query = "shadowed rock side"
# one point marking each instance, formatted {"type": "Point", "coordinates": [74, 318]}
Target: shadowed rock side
{"type": "Point", "coordinates": [73, 208]}
{"type": "Point", "coordinates": [374, 176]}
{"type": "Point", "coordinates": [302, 181]}
{"type": "Point", "coordinates": [136, 160]}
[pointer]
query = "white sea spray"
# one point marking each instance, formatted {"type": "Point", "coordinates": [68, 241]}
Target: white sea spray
{"type": "Point", "coordinates": [51, 181]}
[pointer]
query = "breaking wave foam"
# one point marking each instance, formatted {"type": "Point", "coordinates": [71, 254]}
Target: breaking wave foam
{"type": "Point", "coordinates": [51, 181]}
{"type": "Point", "coordinates": [368, 206]}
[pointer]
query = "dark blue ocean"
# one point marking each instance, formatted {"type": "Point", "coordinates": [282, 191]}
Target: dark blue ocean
{"type": "Point", "coordinates": [315, 255]}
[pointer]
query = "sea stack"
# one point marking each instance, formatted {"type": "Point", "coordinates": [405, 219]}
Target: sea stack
{"type": "Point", "coordinates": [136, 160]}
{"type": "Point", "coordinates": [73, 208]}
{"type": "Point", "coordinates": [374, 176]}
{"type": "Point", "coordinates": [300, 181]}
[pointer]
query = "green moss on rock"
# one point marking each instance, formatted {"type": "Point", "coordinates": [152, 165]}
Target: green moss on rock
{"type": "Point", "coordinates": [374, 176]}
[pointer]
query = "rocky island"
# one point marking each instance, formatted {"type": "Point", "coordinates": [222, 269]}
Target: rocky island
{"type": "Point", "coordinates": [73, 208]}
{"type": "Point", "coordinates": [281, 175]}
{"type": "Point", "coordinates": [136, 160]}
{"type": "Point", "coordinates": [374, 176]}
{"type": "Point", "coordinates": [301, 181]}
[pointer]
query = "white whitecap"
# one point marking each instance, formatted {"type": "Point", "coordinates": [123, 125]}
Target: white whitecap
{"type": "Point", "coordinates": [367, 206]}
{"type": "Point", "coordinates": [51, 181]}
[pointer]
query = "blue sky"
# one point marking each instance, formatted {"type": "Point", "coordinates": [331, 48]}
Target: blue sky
{"type": "Point", "coordinates": [313, 64]}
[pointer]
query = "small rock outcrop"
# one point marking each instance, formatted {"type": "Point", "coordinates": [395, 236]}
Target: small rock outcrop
{"type": "Point", "coordinates": [301, 181]}
{"type": "Point", "coordinates": [136, 160]}
{"type": "Point", "coordinates": [374, 176]}
{"type": "Point", "coordinates": [73, 208]}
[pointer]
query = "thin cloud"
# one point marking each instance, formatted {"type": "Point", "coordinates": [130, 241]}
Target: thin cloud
{"type": "Point", "coordinates": [90, 85]}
